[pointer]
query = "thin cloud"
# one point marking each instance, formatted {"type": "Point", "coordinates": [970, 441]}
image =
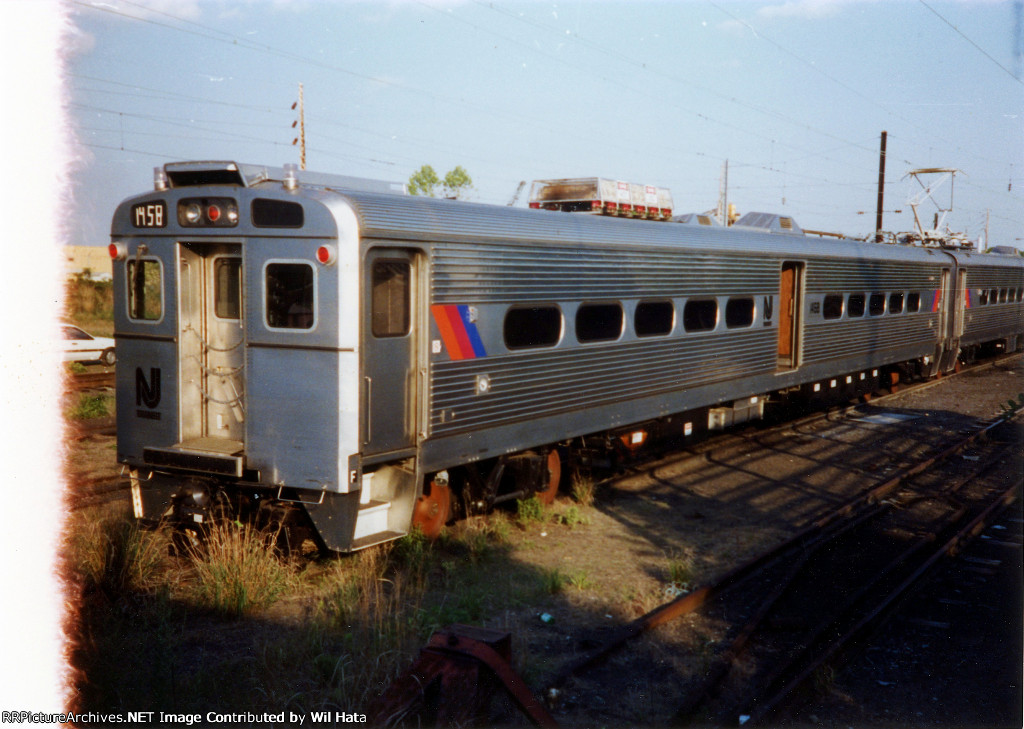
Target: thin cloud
{"type": "Point", "coordinates": [802, 9]}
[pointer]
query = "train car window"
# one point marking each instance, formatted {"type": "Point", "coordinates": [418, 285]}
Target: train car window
{"type": "Point", "coordinates": [913, 302]}
{"type": "Point", "coordinates": [391, 282]}
{"type": "Point", "coordinates": [289, 295]}
{"type": "Point", "coordinates": [983, 297]}
{"type": "Point", "coordinates": [1020, 294]}
{"type": "Point", "coordinates": [145, 290]}
{"type": "Point", "coordinates": [1002, 296]}
{"type": "Point", "coordinates": [832, 306]}
{"type": "Point", "coordinates": [896, 303]}
{"type": "Point", "coordinates": [855, 305]}
{"type": "Point", "coordinates": [599, 322]}
{"type": "Point", "coordinates": [700, 315]}
{"type": "Point", "coordinates": [993, 296]}
{"type": "Point", "coordinates": [739, 313]}
{"type": "Point", "coordinates": [876, 304]}
{"type": "Point", "coordinates": [654, 318]}
{"type": "Point", "coordinates": [227, 288]}
{"type": "Point", "coordinates": [529, 327]}
{"type": "Point", "coordinates": [267, 213]}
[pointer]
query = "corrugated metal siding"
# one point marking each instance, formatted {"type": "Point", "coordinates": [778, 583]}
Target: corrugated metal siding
{"type": "Point", "coordinates": [845, 276]}
{"type": "Point", "coordinates": [510, 274]}
{"type": "Point", "coordinates": [992, 320]}
{"type": "Point", "coordinates": [841, 338]}
{"type": "Point", "coordinates": [534, 384]}
{"type": "Point", "coordinates": [990, 277]}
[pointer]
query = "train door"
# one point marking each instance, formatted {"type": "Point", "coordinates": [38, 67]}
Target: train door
{"type": "Point", "coordinates": [951, 318]}
{"type": "Point", "coordinates": [211, 346]}
{"type": "Point", "coordinates": [790, 296]}
{"type": "Point", "coordinates": [389, 350]}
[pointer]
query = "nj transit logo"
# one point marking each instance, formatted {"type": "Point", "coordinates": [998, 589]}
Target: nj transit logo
{"type": "Point", "coordinates": [147, 393]}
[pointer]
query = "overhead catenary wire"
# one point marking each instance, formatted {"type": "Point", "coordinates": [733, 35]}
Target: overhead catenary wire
{"type": "Point", "coordinates": [780, 169]}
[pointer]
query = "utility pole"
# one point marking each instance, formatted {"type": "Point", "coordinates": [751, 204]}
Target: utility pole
{"type": "Point", "coordinates": [723, 196]}
{"type": "Point", "coordinates": [301, 124]}
{"type": "Point", "coordinates": [881, 191]}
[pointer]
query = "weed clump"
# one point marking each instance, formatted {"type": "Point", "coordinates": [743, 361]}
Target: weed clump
{"type": "Point", "coordinates": [530, 510]}
{"type": "Point", "coordinates": [582, 488]}
{"type": "Point", "coordinates": [237, 569]}
{"type": "Point", "coordinates": [90, 406]}
{"type": "Point", "coordinates": [115, 555]}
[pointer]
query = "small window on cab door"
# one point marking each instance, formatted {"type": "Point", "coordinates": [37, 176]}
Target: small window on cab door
{"type": "Point", "coordinates": [289, 295]}
{"type": "Point", "coordinates": [145, 290]}
{"type": "Point", "coordinates": [390, 282]}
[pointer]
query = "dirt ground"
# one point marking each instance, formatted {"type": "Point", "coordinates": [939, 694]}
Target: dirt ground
{"type": "Point", "coordinates": [678, 523]}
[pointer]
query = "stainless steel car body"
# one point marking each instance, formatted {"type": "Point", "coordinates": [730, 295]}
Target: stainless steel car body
{"type": "Point", "coordinates": [400, 363]}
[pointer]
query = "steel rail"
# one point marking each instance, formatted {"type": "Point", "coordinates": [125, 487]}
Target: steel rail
{"type": "Point", "coordinates": [817, 647]}
{"type": "Point", "coordinates": [870, 620]}
{"type": "Point", "coordinates": [90, 380]}
{"type": "Point", "coordinates": [690, 602]}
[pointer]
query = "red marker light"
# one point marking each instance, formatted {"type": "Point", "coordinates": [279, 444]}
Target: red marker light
{"type": "Point", "coordinates": [213, 213]}
{"type": "Point", "coordinates": [117, 251]}
{"type": "Point", "coordinates": [326, 255]}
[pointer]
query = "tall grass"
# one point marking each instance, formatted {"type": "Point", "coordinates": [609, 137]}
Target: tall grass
{"type": "Point", "coordinates": [583, 487]}
{"type": "Point", "coordinates": [113, 554]}
{"type": "Point", "coordinates": [237, 569]}
{"type": "Point", "coordinates": [350, 627]}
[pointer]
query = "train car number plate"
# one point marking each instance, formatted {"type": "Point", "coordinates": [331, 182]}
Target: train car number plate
{"type": "Point", "coordinates": [150, 215]}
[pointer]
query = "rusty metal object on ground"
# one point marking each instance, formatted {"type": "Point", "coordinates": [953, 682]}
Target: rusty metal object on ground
{"type": "Point", "coordinates": [453, 681]}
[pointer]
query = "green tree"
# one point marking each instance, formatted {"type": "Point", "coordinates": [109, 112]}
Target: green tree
{"type": "Point", "coordinates": [457, 182]}
{"type": "Point", "coordinates": [424, 181]}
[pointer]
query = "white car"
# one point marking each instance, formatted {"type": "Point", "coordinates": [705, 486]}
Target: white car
{"type": "Point", "coordinates": [80, 346]}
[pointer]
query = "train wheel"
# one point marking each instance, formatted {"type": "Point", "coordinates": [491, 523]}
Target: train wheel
{"type": "Point", "coordinates": [433, 509]}
{"type": "Point", "coordinates": [547, 496]}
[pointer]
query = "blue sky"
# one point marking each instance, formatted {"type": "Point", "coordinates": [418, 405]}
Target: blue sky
{"type": "Point", "coordinates": [793, 94]}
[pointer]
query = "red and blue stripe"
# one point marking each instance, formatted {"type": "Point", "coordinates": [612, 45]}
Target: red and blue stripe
{"type": "Point", "coordinates": [458, 332]}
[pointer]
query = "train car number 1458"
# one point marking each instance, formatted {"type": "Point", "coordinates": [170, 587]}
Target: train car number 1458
{"type": "Point", "coordinates": [150, 215]}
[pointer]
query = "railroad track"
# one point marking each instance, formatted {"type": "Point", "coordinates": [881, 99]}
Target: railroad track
{"type": "Point", "coordinates": [807, 601]}
{"type": "Point", "coordinates": [91, 380]}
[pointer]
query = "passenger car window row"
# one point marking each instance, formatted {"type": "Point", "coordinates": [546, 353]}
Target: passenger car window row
{"type": "Point", "coordinates": [533, 327]}
{"type": "Point", "coordinates": [856, 304]}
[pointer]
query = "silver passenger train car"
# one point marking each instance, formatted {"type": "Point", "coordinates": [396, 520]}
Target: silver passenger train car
{"type": "Point", "coordinates": [333, 354]}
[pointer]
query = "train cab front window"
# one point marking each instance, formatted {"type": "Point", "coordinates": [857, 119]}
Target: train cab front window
{"type": "Point", "coordinates": [145, 290]}
{"type": "Point", "coordinates": [289, 295]}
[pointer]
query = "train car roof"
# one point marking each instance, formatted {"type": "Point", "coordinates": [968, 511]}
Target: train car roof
{"type": "Point", "coordinates": [386, 212]}
{"type": "Point", "coordinates": [977, 258]}
{"type": "Point", "coordinates": [414, 218]}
